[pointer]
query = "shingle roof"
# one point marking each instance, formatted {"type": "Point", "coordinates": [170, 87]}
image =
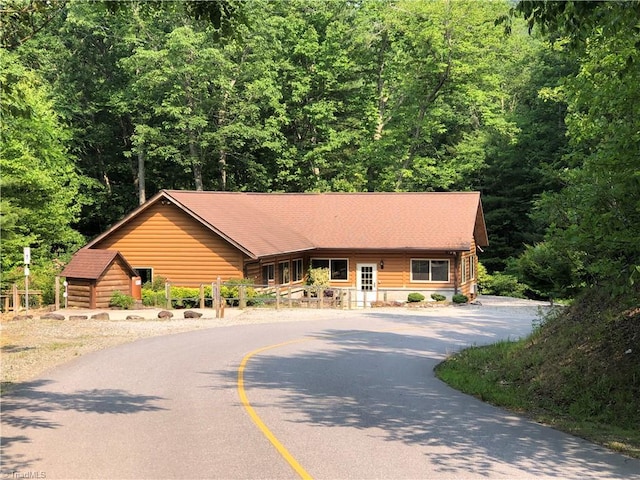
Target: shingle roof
{"type": "Point", "coordinates": [91, 264]}
{"type": "Point", "coordinates": [263, 224]}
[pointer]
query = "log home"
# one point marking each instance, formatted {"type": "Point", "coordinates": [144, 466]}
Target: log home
{"type": "Point", "coordinates": [380, 245]}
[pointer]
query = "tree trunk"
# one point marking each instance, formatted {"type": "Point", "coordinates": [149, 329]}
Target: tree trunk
{"type": "Point", "coordinates": [196, 164]}
{"type": "Point", "coordinates": [142, 194]}
{"type": "Point", "coordinates": [382, 98]}
{"type": "Point", "coordinates": [222, 161]}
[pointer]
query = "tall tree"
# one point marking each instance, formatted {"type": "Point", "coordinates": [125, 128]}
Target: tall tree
{"type": "Point", "coordinates": [597, 215]}
{"type": "Point", "coordinates": [41, 196]}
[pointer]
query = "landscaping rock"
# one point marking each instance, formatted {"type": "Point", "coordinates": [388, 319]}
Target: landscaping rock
{"type": "Point", "coordinates": [100, 316]}
{"type": "Point", "coordinates": [52, 316]}
{"type": "Point", "coordinates": [23, 317]}
{"type": "Point", "coordinates": [191, 314]}
{"type": "Point", "coordinates": [78, 317]}
{"type": "Point", "coordinates": [165, 314]}
{"type": "Point", "coordinates": [134, 317]}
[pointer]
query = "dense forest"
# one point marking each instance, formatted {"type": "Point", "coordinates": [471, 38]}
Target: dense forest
{"type": "Point", "coordinates": [535, 104]}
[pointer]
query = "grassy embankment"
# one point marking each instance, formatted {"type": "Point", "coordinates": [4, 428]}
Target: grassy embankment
{"type": "Point", "coordinates": [579, 372]}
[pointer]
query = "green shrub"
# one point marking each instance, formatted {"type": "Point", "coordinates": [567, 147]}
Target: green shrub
{"type": "Point", "coordinates": [121, 300]}
{"type": "Point", "coordinates": [157, 285]}
{"type": "Point", "coordinates": [415, 297]}
{"type": "Point", "coordinates": [152, 298]}
{"type": "Point", "coordinates": [318, 277]}
{"type": "Point", "coordinates": [504, 285]}
{"type": "Point", "coordinates": [185, 297]}
{"type": "Point", "coordinates": [231, 291]}
{"type": "Point", "coordinates": [437, 297]}
{"type": "Point", "coordinates": [459, 298]}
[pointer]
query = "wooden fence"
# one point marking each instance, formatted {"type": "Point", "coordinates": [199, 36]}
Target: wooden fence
{"type": "Point", "coordinates": [15, 300]}
{"type": "Point", "coordinates": [277, 296]}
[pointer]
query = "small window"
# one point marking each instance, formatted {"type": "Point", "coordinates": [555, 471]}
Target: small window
{"type": "Point", "coordinates": [429, 270]}
{"type": "Point", "coordinates": [439, 270]}
{"type": "Point", "coordinates": [319, 263]}
{"type": "Point", "coordinates": [420, 270]}
{"type": "Point", "coordinates": [284, 275]}
{"type": "Point", "coordinates": [297, 270]}
{"type": "Point", "coordinates": [338, 267]}
{"type": "Point", "coordinates": [268, 273]}
{"type": "Point", "coordinates": [145, 274]}
{"type": "Point", "coordinates": [339, 270]}
{"type": "Point", "coordinates": [472, 267]}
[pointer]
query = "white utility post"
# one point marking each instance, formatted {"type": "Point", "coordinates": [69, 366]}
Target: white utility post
{"type": "Point", "coordinates": [27, 261]}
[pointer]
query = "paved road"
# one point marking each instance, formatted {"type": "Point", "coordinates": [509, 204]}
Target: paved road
{"type": "Point", "coordinates": [345, 396]}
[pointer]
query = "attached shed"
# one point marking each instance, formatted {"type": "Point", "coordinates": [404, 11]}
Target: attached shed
{"type": "Point", "coordinates": [93, 275]}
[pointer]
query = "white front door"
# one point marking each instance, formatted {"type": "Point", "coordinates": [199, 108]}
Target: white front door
{"type": "Point", "coordinates": [366, 283]}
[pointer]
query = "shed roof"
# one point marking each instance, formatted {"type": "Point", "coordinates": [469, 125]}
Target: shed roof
{"type": "Point", "coordinates": [263, 224]}
{"type": "Point", "coordinates": [91, 264]}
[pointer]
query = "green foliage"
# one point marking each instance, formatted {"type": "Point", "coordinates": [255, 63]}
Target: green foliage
{"type": "Point", "coordinates": [121, 300]}
{"type": "Point", "coordinates": [231, 291]}
{"type": "Point", "coordinates": [318, 277]}
{"type": "Point", "coordinates": [547, 271]}
{"type": "Point", "coordinates": [157, 285]}
{"type": "Point", "coordinates": [415, 297]}
{"type": "Point", "coordinates": [106, 100]}
{"type": "Point", "coordinates": [459, 298]}
{"type": "Point", "coordinates": [576, 371]}
{"type": "Point", "coordinates": [41, 277]}
{"type": "Point", "coordinates": [40, 187]}
{"type": "Point", "coordinates": [185, 297]}
{"type": "Point", "coordinates": [153, 298]}
{"type": "Point", "coordinates": [595, 218]}
{"type": "Point", "coordinates": [502, 284]}
{"type": "Point", "coordinates": [437, 297]}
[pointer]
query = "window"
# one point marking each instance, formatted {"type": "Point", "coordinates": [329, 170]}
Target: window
{"type": "Point", "coordinates": [339, 270]}
{"type": "Point", "coordinates": [297, 271]}
{"type": "Point", "coordinates": [472, 267]}
{"type": "Point", "coordinates": [338, 267]}
{"type": "Point", "coordinates": [268, 274]}
{"type": "Point", "coordinates": [429, 270]}
{"type": "Point", "coordinates": [283, 273]}
{"type": "Point", "coordinates": [465, 269]}
{"type": "Point", "coordinates": [145, 274]}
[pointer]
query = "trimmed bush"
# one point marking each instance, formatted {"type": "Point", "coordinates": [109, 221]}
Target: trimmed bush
{"type": "Point", "coordinates": [121, 300]}
{"type": "Point", "coordinates": [437, 297]}
{"type": "Point", "coordinates": [151, 298]}
{"type": "Point", "coordinates": [501, 284]}
{"type": "Point", "coordinates": [230, 290]}
{"type": "Point", "coordinates": [459, 298]}
{"type": "Point", "coordinates": [415, 297]}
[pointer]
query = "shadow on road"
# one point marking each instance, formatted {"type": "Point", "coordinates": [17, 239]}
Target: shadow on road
{"type": "Point", "coordinates": [33, 405]}
{"type": "Point", "coordinates": [384, 381]}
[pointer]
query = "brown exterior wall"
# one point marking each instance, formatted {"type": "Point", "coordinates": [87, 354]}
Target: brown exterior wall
{"type": "Point", "coordinates": [116, 278]}
{"type": "Point", "coordinates": [83, 293]}
{"type": "Point", "coordinates": [79, 292]}
{"type": "Point", "coordinates": [176, 246]}
{"type": "Point", "coordinates": [468, 272]}
{"type": "Point", "coordinates": [182, 250]}
{"type": "Point", "coordinates": [394, 278]}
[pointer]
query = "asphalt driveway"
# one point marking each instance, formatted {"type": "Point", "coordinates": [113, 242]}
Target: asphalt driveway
{"type": "Point", "coordinates": [344, 394]}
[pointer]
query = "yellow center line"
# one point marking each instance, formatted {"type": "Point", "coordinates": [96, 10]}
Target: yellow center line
{"type": "Point", "coordinates": [258, 421]}
{"type": "Point", "coordinates": [256, 418]}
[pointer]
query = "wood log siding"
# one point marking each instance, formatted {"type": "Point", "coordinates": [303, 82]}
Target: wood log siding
{"type": "Point", "coordinates": [178, 247]}
{"type": "Point", "coordinates": [115, 279]}
{"type": "Point", "coordinates": [79, 293]}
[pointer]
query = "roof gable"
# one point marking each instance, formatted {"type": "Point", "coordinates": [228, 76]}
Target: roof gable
{"type": "Point", "coordinates": [263, 224]}
{"type": "Point", "coordinates": [91, 264]}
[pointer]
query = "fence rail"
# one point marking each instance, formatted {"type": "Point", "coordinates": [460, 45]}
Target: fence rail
{"type": "Point", "coordinates": [16, 300]}
{"type": "Point", "coordinates": [219, 294]}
